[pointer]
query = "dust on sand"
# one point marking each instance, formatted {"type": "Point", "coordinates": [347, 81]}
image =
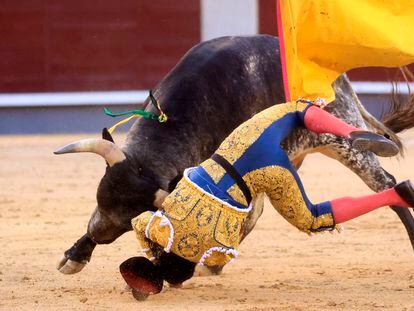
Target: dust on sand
{"type": "Point", "coordinates": [46, 200]}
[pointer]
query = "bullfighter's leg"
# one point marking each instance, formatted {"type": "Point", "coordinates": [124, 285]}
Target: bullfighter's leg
{"type": "Point", "coordinates": [348, 208]}
{"type": "Point", "coordinates": [319, 121]}
{"type": "Point", "coordinates": [289, 198]}
{"type": "Point", "coordinates": [367, 167]}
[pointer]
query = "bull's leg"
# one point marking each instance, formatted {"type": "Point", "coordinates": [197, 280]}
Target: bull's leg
{"type": "Point", "coordinates": [76, 257]}
{"type": "Point", "coordinates": [367, 167]}
{"type": "Point", "coordinates": [101, 230]}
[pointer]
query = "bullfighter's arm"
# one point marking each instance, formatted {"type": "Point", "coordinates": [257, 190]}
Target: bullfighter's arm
{"type": "Point", "coordinates": [139, 224]}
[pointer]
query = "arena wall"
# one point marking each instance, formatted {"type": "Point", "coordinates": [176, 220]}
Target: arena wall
{"type": "Point", "coordinates": [55, 54]}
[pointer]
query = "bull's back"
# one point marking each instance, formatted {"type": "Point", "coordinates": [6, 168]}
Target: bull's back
{"type": "Point", "coordinates": [215, 87]}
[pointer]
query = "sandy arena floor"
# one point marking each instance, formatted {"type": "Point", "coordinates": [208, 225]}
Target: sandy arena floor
{"type": "Point", "coordinates": [46, 200]}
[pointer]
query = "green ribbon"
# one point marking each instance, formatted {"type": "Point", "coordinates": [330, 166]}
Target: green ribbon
{"type": "Point", "coordinates": [145, 114]}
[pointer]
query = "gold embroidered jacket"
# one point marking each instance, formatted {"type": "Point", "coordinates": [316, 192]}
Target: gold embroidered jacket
{"type": "Point", "coordinates": [202, 218]}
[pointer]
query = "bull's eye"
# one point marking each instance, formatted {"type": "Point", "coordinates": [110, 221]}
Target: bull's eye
{"type": "Point", "coordinates": [137, 171]}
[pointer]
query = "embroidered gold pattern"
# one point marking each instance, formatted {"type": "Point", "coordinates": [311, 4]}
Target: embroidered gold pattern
{"type": "Point", "coordinates": [200, 223]}
{"type": "Point", "coordinates": [325, 220]}
{"type": "Point", "coordinates": [237, 195]}
{"type": "Point", "coordinates": [284, 193]}
{"type": "Point", "coordinates": [140, 224]}
{"type": "Point", "coordinates": [215, 171]}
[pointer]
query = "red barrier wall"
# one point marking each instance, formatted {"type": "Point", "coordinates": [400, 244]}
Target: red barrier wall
{"type": "Point", "coordinates": [80, 45]}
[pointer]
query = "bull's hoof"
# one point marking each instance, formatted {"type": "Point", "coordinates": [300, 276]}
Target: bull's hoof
{"type": "Point", "coordinates": [178, 285]}
{"type": "Point", "coordinates": [67, 266]}
{"type": "Point", "coordinates": [208, 271]}
{"type": "Point", "coordinates": [142, 276]}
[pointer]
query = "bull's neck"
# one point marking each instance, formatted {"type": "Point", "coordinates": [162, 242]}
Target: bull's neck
{"type": "Point", "coordinates": [164, 166]}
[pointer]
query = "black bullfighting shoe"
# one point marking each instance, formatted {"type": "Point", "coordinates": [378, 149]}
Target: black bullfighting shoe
{"type": "Point", "coordinates": [378, 144]}
{"type": "Point", "coordinates": [405, 190]}
{"type": "Point", "coordinates": [142, 276]}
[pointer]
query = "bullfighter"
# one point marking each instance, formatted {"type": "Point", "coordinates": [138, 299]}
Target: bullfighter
{"type": "Point", "coordinates": [201, 220]}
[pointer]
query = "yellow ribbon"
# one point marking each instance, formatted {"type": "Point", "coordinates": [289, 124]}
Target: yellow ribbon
{"type": "Point", "coordinates": [113, 127]}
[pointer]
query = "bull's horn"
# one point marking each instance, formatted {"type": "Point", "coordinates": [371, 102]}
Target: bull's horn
{"type": "Point", "coordinates": [108, 150]}
{"type": "Point", "coordinates": [160, 196]}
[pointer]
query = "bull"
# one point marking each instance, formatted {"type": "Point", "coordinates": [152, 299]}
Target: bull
{"type": "Point", "coordinates": [217, 85]}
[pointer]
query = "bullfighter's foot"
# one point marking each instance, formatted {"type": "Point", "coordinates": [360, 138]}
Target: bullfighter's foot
{"type": "Point", "coordinates": [405, 190]}
{"type": "Point", "coordinates": [142, 276]}
{"type": "Point", "coordinates": [68, 266]}
{"type": "Point", "coordinates": [378, 144]}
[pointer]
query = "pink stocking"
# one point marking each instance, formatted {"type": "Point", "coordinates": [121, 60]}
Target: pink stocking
{"type": "Point", "coordinates": [319, 121]}
{"type": "Point", "coordinates": [347, 208]}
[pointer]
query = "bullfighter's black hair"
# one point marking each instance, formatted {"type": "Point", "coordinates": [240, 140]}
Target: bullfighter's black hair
{"type": "Point", "coordinates": [174, 269]}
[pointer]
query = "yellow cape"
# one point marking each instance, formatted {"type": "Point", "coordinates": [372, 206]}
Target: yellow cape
{"type": "Point", "coordinates": [320, 39]}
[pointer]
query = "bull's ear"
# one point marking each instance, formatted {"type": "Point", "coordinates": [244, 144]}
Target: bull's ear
{"type": "Point", "coordinates": [106, 135]}
{"type": "Point", "coordinates": [160, 196]}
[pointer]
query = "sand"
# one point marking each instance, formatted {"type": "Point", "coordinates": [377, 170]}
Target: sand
{"type": "Point", "coordinates": [46, 200]}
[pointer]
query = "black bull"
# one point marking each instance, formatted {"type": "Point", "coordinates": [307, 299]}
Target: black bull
{"type": "Point", "coordinates": [216, 86]}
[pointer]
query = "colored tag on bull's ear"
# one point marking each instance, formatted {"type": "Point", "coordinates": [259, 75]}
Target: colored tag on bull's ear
{"type": "Point", "coordinates": [106, 135]}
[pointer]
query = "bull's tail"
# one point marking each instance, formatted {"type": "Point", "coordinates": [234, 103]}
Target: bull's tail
{"type": "Point", "coordinates": [400, 116]}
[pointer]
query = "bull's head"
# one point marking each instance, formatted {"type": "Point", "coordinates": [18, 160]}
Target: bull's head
{"type": "Point", "coordinates": [126, 190]}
